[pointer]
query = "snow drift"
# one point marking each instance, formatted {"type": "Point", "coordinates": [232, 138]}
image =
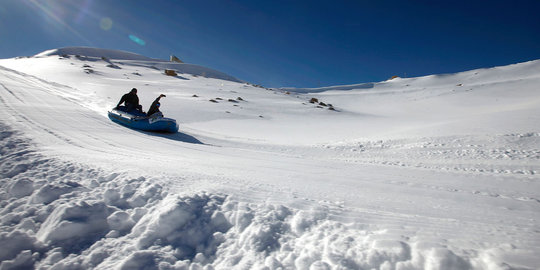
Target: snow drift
{"type": "Point", "coordinates": [437, 172]}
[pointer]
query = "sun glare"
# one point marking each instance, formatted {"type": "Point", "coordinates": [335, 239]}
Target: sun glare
{"type": "Point", "coordinates": [56, 14]}
{"type": "Point", "coordinates": [71, 15]}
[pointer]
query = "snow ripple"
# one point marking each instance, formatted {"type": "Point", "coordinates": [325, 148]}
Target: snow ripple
{"type": "Point", "coordinates": [512, 154]}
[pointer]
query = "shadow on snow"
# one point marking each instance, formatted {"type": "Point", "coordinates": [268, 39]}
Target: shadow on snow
{"type": "Point", "coordinates": [178, 136]}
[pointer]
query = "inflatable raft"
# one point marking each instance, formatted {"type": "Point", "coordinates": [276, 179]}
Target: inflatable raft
{"type": "Point", "coordinates": [138, 120]}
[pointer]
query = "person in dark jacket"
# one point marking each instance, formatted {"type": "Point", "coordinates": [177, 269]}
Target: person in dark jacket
{"type": "Point", "coordinates": [154, 108]}
{"type": "Point", "coordinates": [131, 101]}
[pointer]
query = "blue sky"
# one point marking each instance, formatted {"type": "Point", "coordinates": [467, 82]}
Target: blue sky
{"type": "Point", "coordinates": [287, 43]}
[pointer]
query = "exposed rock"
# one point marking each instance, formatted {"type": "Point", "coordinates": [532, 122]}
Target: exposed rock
{"type": "Point", "coordinates": [170, 72]}
{"type": "Point", "coordinates": [111, 65]}
{"type": "Point", "coordinates": [175, 59]}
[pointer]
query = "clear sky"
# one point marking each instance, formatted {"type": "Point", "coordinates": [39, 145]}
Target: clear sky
{"type": "Point", "coordinates": [287, 43]}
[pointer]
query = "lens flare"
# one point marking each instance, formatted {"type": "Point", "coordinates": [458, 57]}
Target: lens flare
{"type": "Point", "coordinates": [137, 40]}
{"type": "Point", "coordinates": [106, 24]}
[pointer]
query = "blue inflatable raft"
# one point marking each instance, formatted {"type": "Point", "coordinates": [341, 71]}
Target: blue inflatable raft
{"type": "Point", "coordinates": [138, 120]}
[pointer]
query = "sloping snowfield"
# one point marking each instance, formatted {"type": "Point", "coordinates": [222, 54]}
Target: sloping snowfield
{"type": "Point", "coordinates": [435, 172]}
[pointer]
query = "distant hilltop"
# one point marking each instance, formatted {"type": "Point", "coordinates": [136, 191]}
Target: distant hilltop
{"type": "Point", "coordinates": [96, 52]}
{"type": "Point", "coordinates": [175, 64]}
{"type": "Point", "coordinates": [492, 74]}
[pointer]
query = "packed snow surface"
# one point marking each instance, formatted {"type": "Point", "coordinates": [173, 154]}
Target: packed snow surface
{"type": "Point", "coordinates": [435, 172]}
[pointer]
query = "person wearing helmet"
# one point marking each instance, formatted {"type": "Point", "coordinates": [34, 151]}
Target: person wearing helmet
{"type": "Point", "coordinates": [154, 108]}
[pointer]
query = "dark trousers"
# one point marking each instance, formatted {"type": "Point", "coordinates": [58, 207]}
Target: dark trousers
{"type": "Point", "coordinates": [130, 107]}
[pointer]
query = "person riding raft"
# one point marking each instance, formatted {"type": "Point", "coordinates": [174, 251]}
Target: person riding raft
{"type": "Point", "coordinates": [131, 101]}
{"type": "Point", "coordinates": [154, 108]}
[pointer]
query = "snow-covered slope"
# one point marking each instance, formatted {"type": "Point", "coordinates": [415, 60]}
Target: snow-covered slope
{"type": "Point", "coordinates": [132, 59]}
{"type": "Point", "coordinates": [95, 53]}
{"type": "Point", "coordinates": [436, 172]}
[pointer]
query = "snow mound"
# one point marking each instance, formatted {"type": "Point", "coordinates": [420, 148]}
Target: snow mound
{"type": "Point", "coordinates": [95, 52]}
{"type": "Point", "coordinates": [196, 70]}
{"type": "Point", "coordinates": [116, 59]}
{"type": "Point", "coordinates": [495, 74]}
{"type": "Point", "coordinates": [114, 221]}
{"type": "Point", "coordinates": [330, 88]}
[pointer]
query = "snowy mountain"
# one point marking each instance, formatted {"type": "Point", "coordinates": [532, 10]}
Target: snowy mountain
{"type": "Point", "coordinates": [96, 54]}
{"type": "Point", "coordinates": [434, 172]}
